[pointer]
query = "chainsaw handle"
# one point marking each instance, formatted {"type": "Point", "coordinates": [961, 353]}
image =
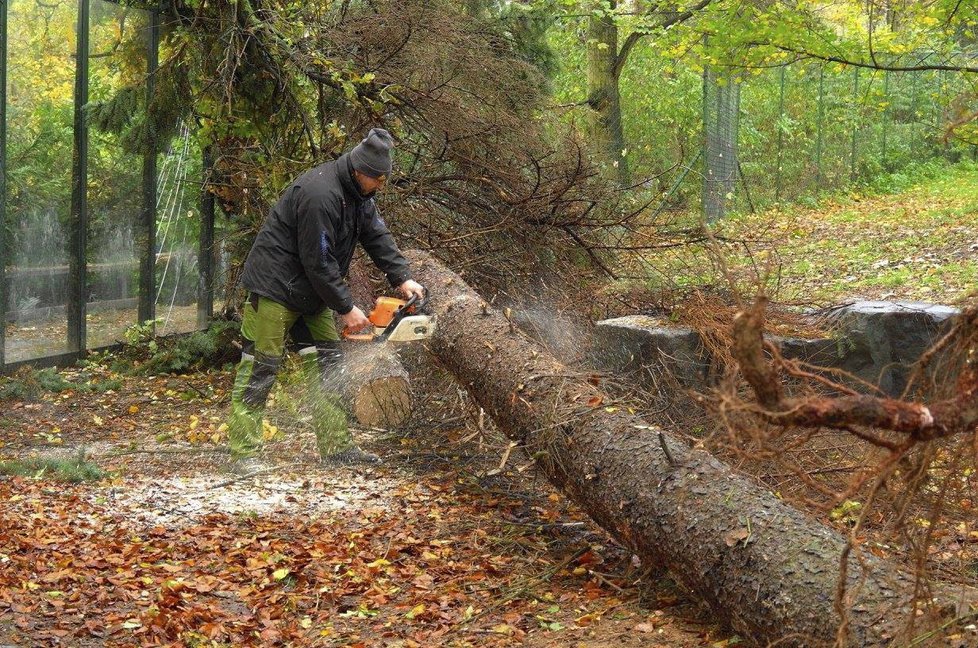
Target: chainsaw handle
{"type": "Point", "coordinates": [412, 304]}
{"type": "Point", "coordinates": [411, 301]}
{"type": "Point", "coordinates": [357, 337]}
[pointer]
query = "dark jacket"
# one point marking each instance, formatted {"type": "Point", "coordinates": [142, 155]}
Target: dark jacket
{"type": "Point", "coordinates": [302, 254]}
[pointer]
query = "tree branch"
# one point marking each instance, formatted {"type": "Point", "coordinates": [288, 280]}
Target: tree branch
{"type": "Point", "coordinates": [635, 36]}
{"type": "Point", "coordinates": [873, 65]}
{"type": "Point", "coordinates": [918, 421]}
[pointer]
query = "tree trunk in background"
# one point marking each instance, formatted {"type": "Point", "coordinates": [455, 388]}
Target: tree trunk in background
{"type": "Point", "coordinates": [604, 95]}
{"type": "Point", "coordinates": [764, 567]}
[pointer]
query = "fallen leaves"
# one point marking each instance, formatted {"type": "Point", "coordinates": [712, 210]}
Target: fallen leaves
{"type": "Point", "coordinates": [132, 560]}
{"type": "Point", "coordinates": [73, 570]}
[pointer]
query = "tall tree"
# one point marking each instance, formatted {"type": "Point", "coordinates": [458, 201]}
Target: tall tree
{"type": "Point", "coordinates": [604, 94]}
{"type": "Point", "coordinates": [277, 86]}
{"type": "Point", "coordinates": [606, 60]}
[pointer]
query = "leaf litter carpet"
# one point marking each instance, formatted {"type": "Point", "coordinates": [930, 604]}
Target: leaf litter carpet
{"type": "Point", "coordinates": [436, 547]}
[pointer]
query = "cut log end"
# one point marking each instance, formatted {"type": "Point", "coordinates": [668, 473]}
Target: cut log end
{"type": "Point", "coordinates": [377, 389]}
{"type": "Point", "coordinates": [383, 402]}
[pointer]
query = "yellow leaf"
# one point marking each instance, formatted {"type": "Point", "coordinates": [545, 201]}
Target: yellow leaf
{"type": "Point", "coordinates": [503, 628]}
{"type": "Point", "coordinates": [134, 409]}
{"type": "Point", "coordinates": [269, 432]}
{"type": "Point", "coordinates": [415, 611]}
{"type": "Point", "coordinates": [280, 573]}
{"type": "Point", "coordinates": [587, 619]}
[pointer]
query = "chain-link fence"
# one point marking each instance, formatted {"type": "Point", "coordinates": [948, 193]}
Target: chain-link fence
{"type": "Point", "coordinates": [94, 238]}
{"type": "Point", "coordinates": [794, 132]}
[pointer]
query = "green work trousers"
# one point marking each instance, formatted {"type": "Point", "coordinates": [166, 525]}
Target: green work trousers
{"type": "Point", "coordinates": [264, 328]}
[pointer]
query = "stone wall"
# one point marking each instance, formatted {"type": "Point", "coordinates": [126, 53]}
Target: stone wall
{"type": "Point", "coordinates": [877, 342]}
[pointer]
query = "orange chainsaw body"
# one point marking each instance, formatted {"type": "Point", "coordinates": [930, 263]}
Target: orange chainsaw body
{"type": "Point", "coordinates": [396, 320]}
{"type": "Point", "coordinates": [384, 310]}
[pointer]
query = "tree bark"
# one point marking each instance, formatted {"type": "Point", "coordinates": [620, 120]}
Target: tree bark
{"type": "Point", "coordinates": [604, 94]}
{"type": "Point", "coordinates": [767, 569]}
{"type": "Point", "coordinates": [376, 390]}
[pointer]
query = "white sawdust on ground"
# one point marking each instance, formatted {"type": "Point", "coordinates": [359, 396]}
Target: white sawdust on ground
{"type": "Point", "coordinates": [179, 500]}
{"type": "Point", "coordinates": [174, 499]}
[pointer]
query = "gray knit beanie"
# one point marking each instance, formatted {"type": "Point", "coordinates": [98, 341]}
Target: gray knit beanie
{"type": "Point", "coordinates": [372, 156]}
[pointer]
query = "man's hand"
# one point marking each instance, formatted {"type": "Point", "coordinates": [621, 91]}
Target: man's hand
{"type": "Point", "coordinates": [411, 287]}
{"type": "Point", "coordinates": [355, 320]}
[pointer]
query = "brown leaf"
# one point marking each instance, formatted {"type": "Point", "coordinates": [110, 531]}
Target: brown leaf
{"type": "Point", "coordinates": [736, 535]}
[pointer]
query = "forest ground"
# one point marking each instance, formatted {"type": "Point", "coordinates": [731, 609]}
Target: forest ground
{"type": "Point", "coordinates": [920, 244]}
{"type": "Point", "coordinates": [452, 541]}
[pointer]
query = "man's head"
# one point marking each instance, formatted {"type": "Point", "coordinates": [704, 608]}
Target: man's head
{"type": "Point", "coordinates": [371, 159]}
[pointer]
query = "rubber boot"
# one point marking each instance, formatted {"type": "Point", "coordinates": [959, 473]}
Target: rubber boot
{"type": "Point", "coordinates": [320, 364]}
{"type": "Point", "coordinates": [252, 384]}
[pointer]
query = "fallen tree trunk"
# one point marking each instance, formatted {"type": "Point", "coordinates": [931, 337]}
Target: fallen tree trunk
{"type": "Point", "coordinates": [767, 569]}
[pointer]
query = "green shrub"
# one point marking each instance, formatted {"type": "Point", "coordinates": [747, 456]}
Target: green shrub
{"type": "Point", "coordinates": [201, 350]}
{"type": "Point", "coordinates": [75, 470]}
{"type": "Point", "coordinates": [29, 384]}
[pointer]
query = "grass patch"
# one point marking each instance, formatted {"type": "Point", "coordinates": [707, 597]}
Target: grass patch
{"type": "Point", "coordinates": [914, 245]}
{"type": "Point", "coordinates": [70, 470]}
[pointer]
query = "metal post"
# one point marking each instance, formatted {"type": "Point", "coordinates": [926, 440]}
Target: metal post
{"type": "Point", "coordinates": [3, 182]}
{"type": "Point", "coordinates": [704, 120]}
{"type": "Point", "coordinates": [205, 262]}
{"type": "Point", "coordinates": [914, 130]}
{"type": "Point", "coordinates": [77, 269]}
{"type": "Point", "coordinates": [940, 101]}
{"type": "Point", "coordinates": [780, 127]}
{"type": "Point", "coordinates": [886, 116]}
{"type": "Point", "coordinates": [820, 126]}
{"type": "Point", "coordinates": [147, 264]}
{"type": "Point", "coordinates": [855, 125]}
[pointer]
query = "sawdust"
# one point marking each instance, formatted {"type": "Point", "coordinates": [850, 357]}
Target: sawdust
{"type": "Point", "coordinates": [175, 501]}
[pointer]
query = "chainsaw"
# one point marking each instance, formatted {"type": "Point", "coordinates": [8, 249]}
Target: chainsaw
{"type": "Point", "coordinates": [397, 320]}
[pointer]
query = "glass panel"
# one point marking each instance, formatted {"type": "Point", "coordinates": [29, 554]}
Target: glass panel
{"type": "Point", "coordinates": [40, 90]}
{"type": "Point", "coordinates": [178, 223]}
{"type": "Point", "coordinates": [118, 59]}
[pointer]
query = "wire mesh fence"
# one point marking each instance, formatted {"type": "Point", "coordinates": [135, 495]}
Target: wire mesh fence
{"type": "Point", "coordinates": [95, 237]}
{"type": "Point", "coordinates": [795, 132]}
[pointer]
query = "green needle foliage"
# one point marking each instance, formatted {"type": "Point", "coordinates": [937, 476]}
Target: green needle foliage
{"type": "Point", "coordinates": [74, 470]}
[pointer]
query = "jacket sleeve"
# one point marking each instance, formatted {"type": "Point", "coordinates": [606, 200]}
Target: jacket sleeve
{"type": "Point", "coordinates": [376, 239]}
{"type": "Point", "coordinates": [316, 231]}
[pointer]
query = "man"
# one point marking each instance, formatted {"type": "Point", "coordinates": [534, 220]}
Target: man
{"type": "Point", "coordinates": [295, 275]}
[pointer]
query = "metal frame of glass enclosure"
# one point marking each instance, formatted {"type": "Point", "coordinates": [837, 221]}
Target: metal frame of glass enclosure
{"type": "Point", "coordinates": [76, 306]}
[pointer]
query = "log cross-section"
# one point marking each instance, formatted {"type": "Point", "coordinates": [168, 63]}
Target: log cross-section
{"type": "Point", "coordinates": [767, 569]}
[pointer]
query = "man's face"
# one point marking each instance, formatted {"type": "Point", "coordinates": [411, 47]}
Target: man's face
{"type": "Point", "coordinates": [369, 185]}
